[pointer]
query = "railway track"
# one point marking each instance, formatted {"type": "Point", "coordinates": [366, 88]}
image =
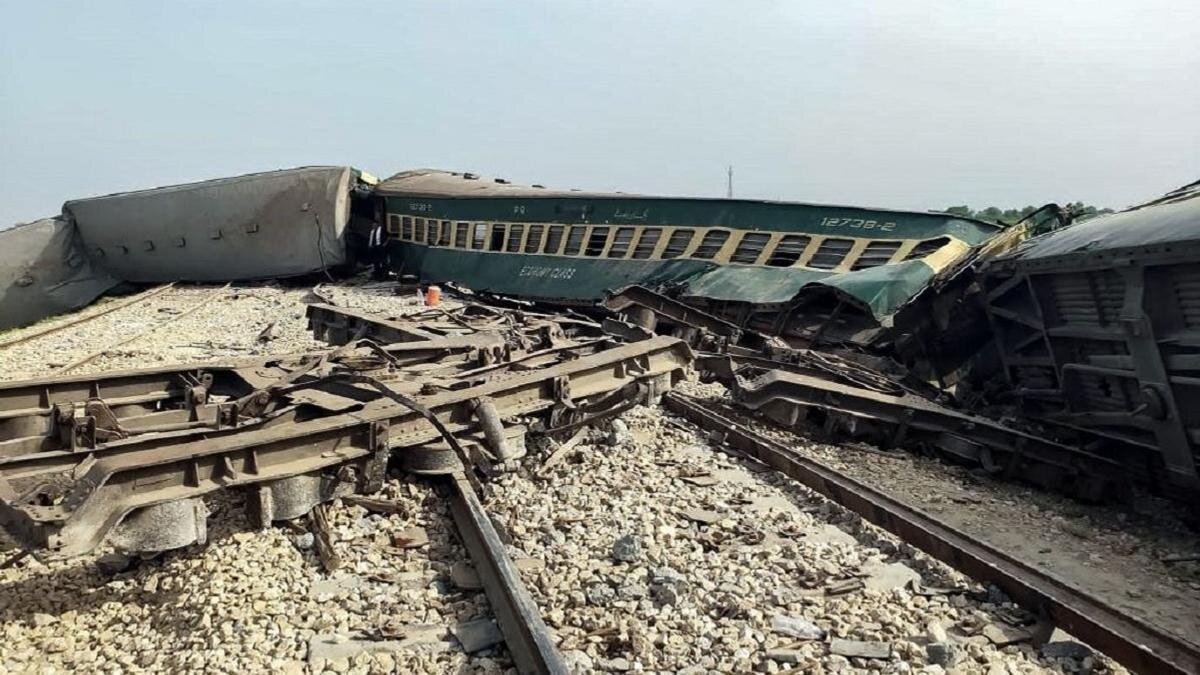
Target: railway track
{"type": "Point", "coordinates": [80, 341]}
{"type": "Point", "coordinates": [525, 633]}
{"type": "Point", "coordinates": [181, 420]}
{"type": "Point", "coordinates": [193, 308]}
{"type": "Point", "coordinates": [1134, 643]}
{"type": "Point", "coordinates": [85, 317]}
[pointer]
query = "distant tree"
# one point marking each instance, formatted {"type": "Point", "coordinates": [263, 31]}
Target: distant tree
{"type": "Point", "coordinates": [1086, 211]}
{"type": "Point", "coordinates": [1009, 216]}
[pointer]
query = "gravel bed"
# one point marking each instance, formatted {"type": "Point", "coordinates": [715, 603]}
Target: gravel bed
{"type": "Point", "coordinates": [1114, 552]}
{"type": "Point", "coordinates": [227, 327]}
{"type": "Point", "coordinates": [255, 601]}
{"type": "Point", "coordinates": [665, 556]}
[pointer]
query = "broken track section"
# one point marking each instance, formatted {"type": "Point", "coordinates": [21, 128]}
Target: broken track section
{"type": "Point", "coordinates": [127, 457]}
{"type": "Point", "coordinates": [130, 454]}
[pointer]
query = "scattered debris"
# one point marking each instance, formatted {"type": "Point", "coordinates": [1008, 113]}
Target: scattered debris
{"type": "Point", "coordinates": [796, 627]}
{"type": "Point", "coordinates": [380, 506]}
{"type": "Point", "coordinates": [844, 586]}
{"type": "Point", "coordinates": [14, 559]}
{"type": "Point", "coordinates": [786, 655]}
{"type": "Point", "coordinates": [561, 453]}
{"type": "Point", "coordinates": [477, 635]}
{"type": "Point", "coordinates": [323, 539]}
{"type": "Point", "coordinates": [701, 516]}
{"type": "Point", "coordinates": [267, 334]}
{"type": "Point", "coordinates": [888, 576]}
{"type": "Point", "coordinates": [942, 653]}
{"type": "Point", "coordinates": [860, 648]}
{"type": "Point", "coordinates": [707, 480]}
{"type": "Point", "coordinates": [618, 433]}
{"type": "Point", "coordinates": [818, 551]}
{"type": "Point", "coordinates": [1003, 635]}
{"type": "Point", "coordinates": [413, 537]}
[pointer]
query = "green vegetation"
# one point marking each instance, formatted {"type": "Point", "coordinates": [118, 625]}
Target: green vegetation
{"type": "Point", "coordinates": [1009, 216]}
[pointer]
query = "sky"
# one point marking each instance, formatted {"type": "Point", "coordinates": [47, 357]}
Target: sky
{"type": "Point", "coordinates": [899, 103]}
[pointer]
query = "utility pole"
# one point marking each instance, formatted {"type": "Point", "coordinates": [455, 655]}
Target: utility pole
{"type": "Point", "coordinates": [729, 183]}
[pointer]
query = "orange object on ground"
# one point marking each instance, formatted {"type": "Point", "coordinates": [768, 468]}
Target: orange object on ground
{"type": "Point", "coordinates": [433, 295]}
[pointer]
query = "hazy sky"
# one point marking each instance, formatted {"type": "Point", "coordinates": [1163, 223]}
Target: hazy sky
{"type": "Point", "coordinates": [889, 103]}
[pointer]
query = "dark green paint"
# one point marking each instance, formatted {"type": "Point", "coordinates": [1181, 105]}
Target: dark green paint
{"type": "Point", "coordinates": [537, 276]}
{"type": "Point", "coordinates": [665, 211]}
{"type": "Point", "coordinates": [881, 289]}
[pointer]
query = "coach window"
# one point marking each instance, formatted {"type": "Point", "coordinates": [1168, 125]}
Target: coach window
{"type": "Point", "coordinates": [875, 254]}
{"type": "Point", "coordinates": [461, 233]}
{"type": "Point", "coordinates": [515, 232]}
{"type": "Point", "coordinates": [447, 231]}
{"type": "Point", "coordinates": [646, 243]}
{"type": "Point", "coordinates": [677, 243]}
{"type": "Point", "coordinates": [711, 244]}
{"type": "Point", "coordinates": [574, 240]}
{"type": "Point", "coordinates": [432, 233]}
{"type": "Point", "coordinates": [926, 247]}
{"type": "Point", "coordinates": [788, 250]}
{"type": "Point", "coordinates": [406, 227]}
{"type": "Point", "coordinates": [554, 237]}
{"type": "Point", "coordinates": [749, 248]}
{"type": "Point", "coordinates": [621, 241]}
{"type": "Point", "coordinates": [533, 240]}
{"type": "Point", "coordinates": [596, 241]}
{"type": "Point", "coordinates": [830, 253]}
{"type": "Point", "coordinates": [418, 229]}
{"type": "Point", "coordinates": [497, 241]}
{"type": "Point", "coordinates": [479, 236]}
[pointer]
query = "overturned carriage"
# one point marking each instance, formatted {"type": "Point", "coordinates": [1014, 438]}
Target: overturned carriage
{"type": "Point", "coordinates": [1097, 334]}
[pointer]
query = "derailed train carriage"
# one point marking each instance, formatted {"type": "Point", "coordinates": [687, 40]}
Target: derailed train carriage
{"type": "Point", "coordinates": [809, 273]}
{"type": "Point", "coordinates": [265, 225]}
{"type": "Point", "coordinates": [1093, 325]}
{"type": "Point", "coordinates": [1097, 335]}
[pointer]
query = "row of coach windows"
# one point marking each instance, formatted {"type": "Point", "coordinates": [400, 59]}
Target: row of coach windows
{"type": "Point", "coordinates": [641, 243]}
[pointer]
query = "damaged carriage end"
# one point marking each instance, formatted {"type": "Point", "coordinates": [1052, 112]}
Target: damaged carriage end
{"type": "Point", "coordinates": [326, 431]}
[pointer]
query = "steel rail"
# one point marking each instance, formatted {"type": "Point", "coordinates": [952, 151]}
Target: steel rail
{"type": "Point", "coordinates": [121, 304]}
{"type": "Point", "coordinates": [1132, 642]}
{"type": "Point", "coordinates": [526, 635]}
{"type": "Point", "coordinates": [140, 334]}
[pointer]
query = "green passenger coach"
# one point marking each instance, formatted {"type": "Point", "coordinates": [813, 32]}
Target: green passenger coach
{"type": "Point", "coordinates": [736, 256]}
